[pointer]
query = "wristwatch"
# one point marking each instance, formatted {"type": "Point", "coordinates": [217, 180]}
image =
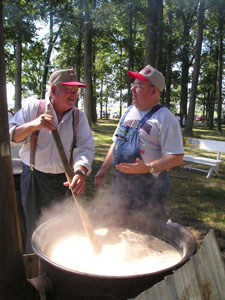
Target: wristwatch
{"type": "Point", "coordinates": [151, 169]}
{"type": "Point", "coordinates": [81, 171]}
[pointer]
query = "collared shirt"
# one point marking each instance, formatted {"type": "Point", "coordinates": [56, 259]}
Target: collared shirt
{"type": "Point", "coordinates": [47, 158]}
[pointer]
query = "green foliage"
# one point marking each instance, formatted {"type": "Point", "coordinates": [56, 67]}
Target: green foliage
{"type": "Point", "coordinates": [19, 19]}
{"type": "Point", "coordinates": [32, 69]}
{"type": "Point", "coordinates": [118, 33]}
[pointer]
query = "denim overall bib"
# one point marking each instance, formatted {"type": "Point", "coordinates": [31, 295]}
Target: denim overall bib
{"type": "Point", "coordinates": [137, 191]}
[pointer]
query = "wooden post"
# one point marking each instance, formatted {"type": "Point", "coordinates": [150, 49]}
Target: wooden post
{"type": "Point", "coordinates": [13, 283]}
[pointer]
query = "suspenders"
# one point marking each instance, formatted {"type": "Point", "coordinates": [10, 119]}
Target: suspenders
{"type": "Point", "coordinates": [34, 135]}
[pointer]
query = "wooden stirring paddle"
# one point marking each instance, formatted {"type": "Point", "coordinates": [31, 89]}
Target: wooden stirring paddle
{"type": "Point", "coordinates": [69, 174]}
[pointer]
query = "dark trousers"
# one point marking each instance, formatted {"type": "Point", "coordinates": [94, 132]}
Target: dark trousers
{"type": "Point", "coordinates": [141, 192]}
{"type": "Point", "coordinates": [38, 191]}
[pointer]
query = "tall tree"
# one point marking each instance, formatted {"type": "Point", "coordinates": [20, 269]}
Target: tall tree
{"type": "Point", "coordinates": [118, 38]}
{"type": "Point", "coordinates": [18, 69]}
{"type": "Point", "coordinates": [168, 54]}
{"type": "Point", "coordinates": [130, 50]}
{"type": "Point", "coordinates": [188, 128]}
{"type": "Point", "coordinates": [51, 42]}
{"type": "Point", "coordinates": [19, 19]}
{"type": "Point", "coordinates": [220, 42]}
{"type": "Point", "coordinates": [56, 14]}
{"type": "Point", "coordinates": [12, 271]}
{"type": "Point", "coordinates": [187, 10]}
{"type": "Point", "coordinates": [88, 92]}
{"type": "Point", "coordinates": [158, 62]}
{"type": "Point", "coordinates": [210, 79]}
{"type": "Point", "coordinates": [152, 22]}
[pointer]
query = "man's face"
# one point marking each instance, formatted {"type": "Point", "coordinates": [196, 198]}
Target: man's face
{"type": "Point", "coordinates": [64, 96]}
{"type": "Point", "coordinates": [143, 94]}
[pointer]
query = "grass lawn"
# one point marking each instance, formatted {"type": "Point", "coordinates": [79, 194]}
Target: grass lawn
{"type": "Point", "coordinates": [193, 201]}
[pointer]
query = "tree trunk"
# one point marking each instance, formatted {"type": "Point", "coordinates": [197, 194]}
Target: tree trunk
{"type": "Point", "coordinates": [207, 105]}
{"type": "Point", "coordinates": [220, 72]}
{"type": "Point", "coordinates": [18, 68]}
{"type": "Point", "coordinates": [158, 63]}
{"type": "Point", "coordinates": [212, 99]}
{"type": "Point", "coordinates": [94, 98]}
{"type": "Point", "coordinates": [78, 54]}
{"type": "Point", "coordinates": [48, 55]}
{"type": "Point", "coordinates": [88, 65]}
{"type": "Point", "coordinates": [190, 118]}
{"type": "Point", "coordinates": [211, 108]}
{"type": "Point", "coordinates": [184, 74]}
{"type": "Point", "coordinates": [121, 87]}
{"type": "Point", "coordinates": [151, 32]}
{"type": "Point", "coordinates": [168, 59]}
{"type": "Point", "coordinates": [79, 47]}
{"type": "Point", "coordinates": [12, 271]}
{"type": "Point", "coordinates": [52, 41]}
{"type": "Point", "coordinates": [131, 57]}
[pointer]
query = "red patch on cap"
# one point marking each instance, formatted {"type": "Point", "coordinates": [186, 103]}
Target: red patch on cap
{"type": "Point", "coordinates": [147, 70]}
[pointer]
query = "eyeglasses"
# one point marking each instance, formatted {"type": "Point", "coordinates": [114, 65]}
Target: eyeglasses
{"type": "Point", "coordinates": [70, 89]}
{"type": "Point", "coordinates": [140, 86]}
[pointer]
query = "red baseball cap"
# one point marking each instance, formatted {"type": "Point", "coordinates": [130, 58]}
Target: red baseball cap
{"type": "Point", "coordinates": [150, 74]}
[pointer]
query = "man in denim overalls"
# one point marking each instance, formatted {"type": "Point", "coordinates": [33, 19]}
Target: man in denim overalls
{"type": "Point", "coordinates": [146, 143]}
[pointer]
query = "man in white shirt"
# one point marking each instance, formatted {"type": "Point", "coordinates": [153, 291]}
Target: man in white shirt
{"type": "Point", "coordinates": [43, 179]}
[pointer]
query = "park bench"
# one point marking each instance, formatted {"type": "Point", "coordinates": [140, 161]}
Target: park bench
{"type": "Point", "coordinates": [208, 145]}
